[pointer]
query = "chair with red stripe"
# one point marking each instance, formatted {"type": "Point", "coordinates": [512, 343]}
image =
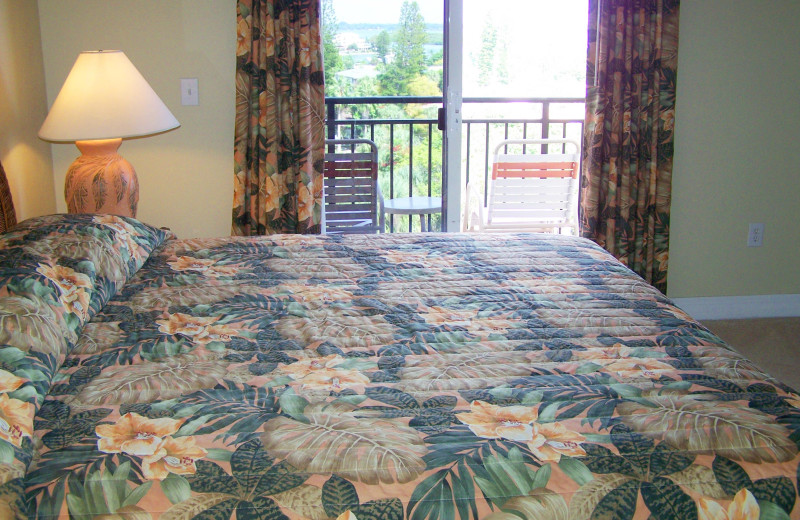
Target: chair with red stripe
{"type": "Point", "coordinates": [531, 188]}
{"type": "Point", "coordinates": [352, 196]}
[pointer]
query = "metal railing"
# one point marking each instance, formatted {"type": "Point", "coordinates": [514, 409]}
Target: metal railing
{"type": "Point", "coordinates": [406, 172]}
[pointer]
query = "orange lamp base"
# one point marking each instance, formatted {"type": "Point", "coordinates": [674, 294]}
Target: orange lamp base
{"type": "Point", "coordinates": [101, 181]}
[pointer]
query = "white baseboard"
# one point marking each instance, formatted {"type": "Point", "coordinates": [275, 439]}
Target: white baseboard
{"type": "Point", "coordinates": [740, 307]}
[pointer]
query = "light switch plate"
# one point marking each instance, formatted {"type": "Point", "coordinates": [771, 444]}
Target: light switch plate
{"type": "Point", "coordinates": [189, 91]}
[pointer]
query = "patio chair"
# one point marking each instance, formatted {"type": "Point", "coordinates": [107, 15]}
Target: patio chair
{"type": "Point", "coordinates": [352, 197]}
{"type": "Point", "coordinates": [528, 191]}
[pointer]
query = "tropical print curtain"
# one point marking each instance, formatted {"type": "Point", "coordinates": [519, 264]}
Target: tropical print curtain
{"type": "Point", "coordinates": [280, 106]}
{"type": "Point", "coordinates": [628, 140]}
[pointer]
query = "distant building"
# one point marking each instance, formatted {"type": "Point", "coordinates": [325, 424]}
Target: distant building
{"type": "Point", "coordinates": [355, 75]}
{"type": "Point", "coordinates": [351, 42]}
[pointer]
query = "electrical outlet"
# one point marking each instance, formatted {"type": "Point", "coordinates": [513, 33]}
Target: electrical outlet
{"type": "Point", "coordinates": [755, 237]}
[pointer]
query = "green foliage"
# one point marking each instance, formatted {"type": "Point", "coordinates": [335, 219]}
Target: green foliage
{"type": "Point", "coordinates": [510, 477]}
{"type": "Point", "coordinates": [382, 43]}
{"type": "Point", "coordinates": [409, 52]}
{"type": "Point", "coordinates": [331, 57]}
{"type": "Point", "coordinates": [104, 493]}
{"type": "Point", "coordinates": [771, 491]}
{"type": "Point", "coordinates": [423, 86]}
{"type": "Point", "coordinates": [339, 495]}
{"type": "Point", "coordinates": [485, 58]}
{"type": "Point", "coordinates": [254, 477]}
{"type": "Point", "coordinates": [491, 58]}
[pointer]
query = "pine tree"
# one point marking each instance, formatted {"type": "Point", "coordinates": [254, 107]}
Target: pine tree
{"type": "Point", "coordinates": [486, 55]}
{"type": "Point", "coordinates": [409, 52]}
{"type": "Point", "coordinates": [382, 43]}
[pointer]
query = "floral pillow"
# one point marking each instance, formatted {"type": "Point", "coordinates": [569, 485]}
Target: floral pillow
{"type": "Point", "coordinates": [56, 272]}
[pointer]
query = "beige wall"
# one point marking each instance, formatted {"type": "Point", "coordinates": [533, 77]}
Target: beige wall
{"type": "Point", "coordinates": [25, 158]}
{"type": "Point", "coordinates": [185, 175]}
{"type": "Point", "coordinates": [737, 149]}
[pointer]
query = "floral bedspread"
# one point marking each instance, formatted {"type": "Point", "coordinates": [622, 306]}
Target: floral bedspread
{"type": "Point", "coordinates": [429, 376]}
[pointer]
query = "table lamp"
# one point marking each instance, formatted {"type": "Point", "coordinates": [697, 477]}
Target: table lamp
{"type": "Point", "coordinates": [104, 100]}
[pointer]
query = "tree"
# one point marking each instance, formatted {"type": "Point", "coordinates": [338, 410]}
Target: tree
{"type": "Point", "coordinates": [331, 58]}
{"type": "Point", "coordinates": [409, 52]}
{"type": "Point", "coordinates": [409, 49]}
{"type": "Point", "coordinates": [486, 55]}
{"type": "Point", "coordinates": [382, 43]}
{"type": "Point", "coordinates": [423, 86]}
{"type": "Point", "coordinates": [491, 60]}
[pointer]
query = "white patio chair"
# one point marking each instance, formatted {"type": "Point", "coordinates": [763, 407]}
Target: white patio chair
{"type": "Point", "coordinates": [528, 191]}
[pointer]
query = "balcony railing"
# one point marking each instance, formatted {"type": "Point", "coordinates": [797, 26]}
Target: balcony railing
{"type": "Point", "coordinates": [410, 147]}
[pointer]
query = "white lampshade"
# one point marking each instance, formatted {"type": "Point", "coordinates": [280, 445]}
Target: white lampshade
{"type": "Point", "coordinates": [105, 97]}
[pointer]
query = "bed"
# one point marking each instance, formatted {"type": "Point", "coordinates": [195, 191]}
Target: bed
{"type": "Point", "coordinates": [390, 376]}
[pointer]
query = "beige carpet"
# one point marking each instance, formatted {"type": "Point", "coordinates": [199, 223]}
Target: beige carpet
{"type": "Point", "coordinates": [771, 343]}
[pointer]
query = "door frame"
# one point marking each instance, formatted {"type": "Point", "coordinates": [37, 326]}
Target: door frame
{"type": "Point", "coordinates": [452, 189]}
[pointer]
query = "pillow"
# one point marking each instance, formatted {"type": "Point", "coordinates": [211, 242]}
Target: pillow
{"type": "Point", "coordinates": [80, 256]}
{"type": "Point", "coordinates": [56, 272]}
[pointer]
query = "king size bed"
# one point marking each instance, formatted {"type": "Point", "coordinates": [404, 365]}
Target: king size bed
{"type": "Point", "coordinates": [425, 376]}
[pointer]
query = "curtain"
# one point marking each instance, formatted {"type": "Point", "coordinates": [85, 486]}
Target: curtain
{"type": "Point", "coordinates": [279, 135]}
{"type": "Point", "coordinates": [628, 139]}
{"type": "Point", "coordinates": [8, 217]}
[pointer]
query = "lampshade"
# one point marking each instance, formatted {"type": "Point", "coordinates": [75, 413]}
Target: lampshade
{"type": "Point", "coordinates": [105, 97]}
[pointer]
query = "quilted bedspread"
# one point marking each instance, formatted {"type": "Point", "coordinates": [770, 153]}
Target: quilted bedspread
{"type": "Point", "coordinates": [424, 376]}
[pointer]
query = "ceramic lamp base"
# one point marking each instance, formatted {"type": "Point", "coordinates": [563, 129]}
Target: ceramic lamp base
{"type": "Point", "coordinates": [101, 181]}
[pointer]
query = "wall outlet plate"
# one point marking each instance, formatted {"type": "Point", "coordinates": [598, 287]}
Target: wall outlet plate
{"type": "Point", "coordinates": [755, 236]}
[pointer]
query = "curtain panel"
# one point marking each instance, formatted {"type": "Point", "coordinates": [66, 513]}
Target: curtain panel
{"type": "Point", "coordinates": [279, 137]}
{"type": "Point", "coordinates": [628, 139]}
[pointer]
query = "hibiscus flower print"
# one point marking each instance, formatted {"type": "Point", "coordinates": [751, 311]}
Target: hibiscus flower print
{"type": "Point", "coordinates": [316, 293]}
{"type": "Point", "coordinates": [125, 231]}
{"type": "Point", "coordinates": [206, 267]}
{"type": "Point", "coordinates": [9, 382]}
{"type": "Point", "coordinates": [467, 319]}
{"type": "Point", "coordinates": [323, 373]}
{"type": "Point", "coordinates": [200, 330]}
{"type": "Point", "coordinates": [269, 38]}
{"type": "Point", "coordinates": [619, 360]}
{"type": "Point", "coordinates": [135, 434]}
{"type": "Point", "coordinates": [273, 191]}
{"type": "Point", "coordinates": [489, 421]}
{"type": "Point", "coordinates": [552, 440]}
{"type": "Point", "coordinates": [743, 507]}
{"type": "Point", "coordinates": [423, 258]}
{"type": "Point", "coordinates": [174, 455]}
{"type": "Point", "coordinates": [305, 50]}
{"type": "Point", "coordinates": [16, 419]}
{"type": "Point", "coordinates": [243, 36]}
{"type": "Point", "coordinates": [73, 287]}
{"type": "Point", "coordinates": [793, 400]}
{"type": "Point", "coordinates": [547, 441]}
{"type": "Point", "coordinates": [305, 203]}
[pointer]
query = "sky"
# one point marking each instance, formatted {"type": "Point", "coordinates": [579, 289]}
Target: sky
{"type": "Point", "coordinates": [384, 11]}
{"type": "Point", "coordinates": [388, 11]}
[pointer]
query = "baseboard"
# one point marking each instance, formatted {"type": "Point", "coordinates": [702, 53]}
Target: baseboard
{"type": "Point", "coordinates": [741, 307]}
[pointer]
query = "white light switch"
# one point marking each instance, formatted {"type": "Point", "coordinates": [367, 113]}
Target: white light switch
{"type": "Point", "coordinates": [189, 92]}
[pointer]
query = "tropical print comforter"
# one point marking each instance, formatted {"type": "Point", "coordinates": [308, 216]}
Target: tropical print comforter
{"type": "Point", "coordinates": [426, 376]}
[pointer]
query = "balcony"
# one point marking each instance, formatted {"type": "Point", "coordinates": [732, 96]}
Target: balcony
{"type": "Point", "coordinates": [409, 147]}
